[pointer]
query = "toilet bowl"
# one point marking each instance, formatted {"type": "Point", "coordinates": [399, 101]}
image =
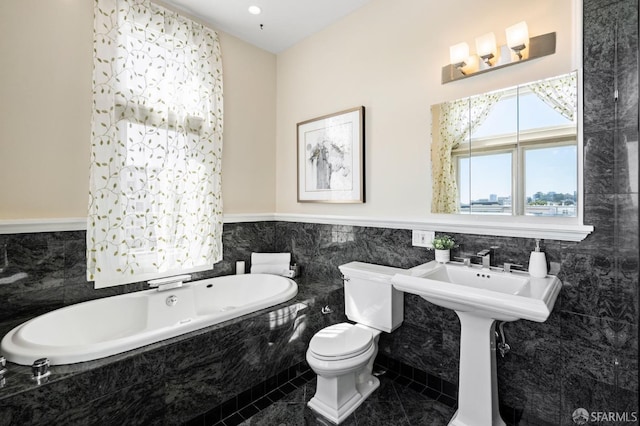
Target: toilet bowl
{"type": "Point", "coordinates": [342, 355]}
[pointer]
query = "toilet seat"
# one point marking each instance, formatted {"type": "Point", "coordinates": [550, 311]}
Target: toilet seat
{"type": "Point", "coordinates": [340, 341]}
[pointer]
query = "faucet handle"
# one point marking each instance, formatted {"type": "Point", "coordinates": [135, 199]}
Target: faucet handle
{"type": "Point", "coordinates": [466, 261]}
{"type": "Point", "coordinates": [508, 266]}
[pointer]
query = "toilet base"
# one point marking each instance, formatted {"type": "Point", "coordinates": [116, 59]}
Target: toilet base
{"type": "Point", "coordinates": [337, 416]}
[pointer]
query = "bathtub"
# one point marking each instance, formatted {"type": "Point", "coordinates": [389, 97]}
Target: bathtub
{"type": "Point", "coordinates": [103, 327]}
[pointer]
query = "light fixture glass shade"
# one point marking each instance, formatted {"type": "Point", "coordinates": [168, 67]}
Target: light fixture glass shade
{"type": "Point", "coordinates": [255, 10]}
{"type": "Point", "coordinates": [458, 53]}
{"type": "Point", "coordinates": [486, 46]}
{"type": "Point", "coordinates": [518, 36]}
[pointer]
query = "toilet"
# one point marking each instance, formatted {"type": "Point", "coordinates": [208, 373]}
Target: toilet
{"type": "Point", "coordinates": [342, 355]}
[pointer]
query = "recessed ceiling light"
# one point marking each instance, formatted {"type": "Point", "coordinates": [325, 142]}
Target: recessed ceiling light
{"type": "Point", "coordinates": [255, 10]}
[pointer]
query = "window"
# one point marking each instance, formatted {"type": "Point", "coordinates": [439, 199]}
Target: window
{"type": "Point", "coordinates": [522, 160]}
{"type": "Point", "coordinates": [155, 191]}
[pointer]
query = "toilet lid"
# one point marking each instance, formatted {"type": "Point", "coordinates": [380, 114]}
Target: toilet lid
{"type": "Point", "coordinates": [340, 341]}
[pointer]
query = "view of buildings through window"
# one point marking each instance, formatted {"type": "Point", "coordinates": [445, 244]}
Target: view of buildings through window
{"type": "Point", "coordinates": [524, 153]}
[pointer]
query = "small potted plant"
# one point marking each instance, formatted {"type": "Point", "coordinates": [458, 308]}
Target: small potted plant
{"type": "Point", "coordinates": [442, 245]}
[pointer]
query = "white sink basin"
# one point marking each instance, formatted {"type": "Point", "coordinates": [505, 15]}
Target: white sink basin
{"type": "Point", "coordinates": [504, 296]}
{"type": "Point", "coordinates": [480, 297]}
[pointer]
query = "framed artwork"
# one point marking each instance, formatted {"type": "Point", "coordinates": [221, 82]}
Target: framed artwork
{"type": "Point", "coordinates": [331, 158]}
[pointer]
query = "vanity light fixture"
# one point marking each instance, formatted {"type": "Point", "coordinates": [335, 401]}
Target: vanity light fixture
{"type": "Point", "coordinates": [459, 54]}
{"type": "Point", "coordinates": [518, 38]}
{"type": "Point", "coordinates": [465, 65]}
{"type": "Point", "coordinates": [486, 47]}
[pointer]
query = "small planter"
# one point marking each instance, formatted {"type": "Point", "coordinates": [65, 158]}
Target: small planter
{"type": "Point", "coordinates": [443, 256]}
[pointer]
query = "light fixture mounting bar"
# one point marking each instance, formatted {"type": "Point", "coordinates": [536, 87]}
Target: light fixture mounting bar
{"type": "Point", "coordinates": [539, 46]}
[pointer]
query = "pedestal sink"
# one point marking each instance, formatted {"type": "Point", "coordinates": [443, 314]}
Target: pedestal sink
{"type": "Point", "coordinates": [480, 296]}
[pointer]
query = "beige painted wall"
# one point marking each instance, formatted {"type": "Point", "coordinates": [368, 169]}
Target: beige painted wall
{"type": "Point", "coordinates": [45, 113]}
{"type": "Point", "coordinates": [45, 101]}
{"type": "Point", "coordinates": [388, 57]}
{"type": "Point", "coordinates": [249, 154]}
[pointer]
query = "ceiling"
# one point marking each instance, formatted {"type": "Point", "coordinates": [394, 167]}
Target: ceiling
{"type": "Point", "coordinates": [284, 22]}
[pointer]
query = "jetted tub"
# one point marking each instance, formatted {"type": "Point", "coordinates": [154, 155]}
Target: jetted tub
{"type": "Point", "coordinates": [109, 326]}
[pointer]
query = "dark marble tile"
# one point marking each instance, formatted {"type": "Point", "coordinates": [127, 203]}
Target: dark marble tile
{"type": "Point", "coordinates": [589, 285]}
{"type": "Point", "coordinates": [298, 395]}
{"type": "Point", "coordinates": [31, 265]}
{"type": "Point", "coordinates": [316, 245]}
{"type": "Point", "coordinates": [626, 155]}
{"type": "Point", "coordinates": [530, 388]}
{"type": "Point", "coordinates": [626, 223]}
{"type": "Point", "coordinates": [588, 348]}
{"type": "Point", "coordinates": [372, 413]}
{"type": "Point", "coordinates": [599, 210]}
{"type": "Point", "coordinates": [75, 259]}
{"type": "Point", "coordinates": [29, 304]}
{"type": "Point", "coordinates": [599, 77]}
{"type": "Point", "coordinates": [599, 88]}
{"type": "Point", "coordinates": [385, 393]}
{"type": "Point", "coordinates": [592, 6]}
{"type": "Point", "coordinates": [68, 395]}
{"type": "Point", "coordinates": [110, 378]}
{"type": "Point", "coordinates": [421, 410]}
{"type": "Point", "coordinates": [135, 405]}
{"type": "Point", "coordinates": [627, 64]}
{"type": "Point", "coordinates": [626, 362]}
{"type": "Point", "coordinates": [241, 239]}
{"type": "Point", "coordinates": [419, 312]}
{"type": "Point", "coordinates": [300, 239]}
{"type": "Point", "coordinates": [416, 347]}
{"type": "Point", "coordinates": [583, 392]}
{"type": "Point", "coordinates": [248, 411]}
{"type": "Point", "coordinates": [280, 413]}
{"type": "Point", "coordinates": [77, 292]}
{"type": "Point", "coordinates": [450, 360]}
{"type": "Point", "coordinates": [599, 162]}
{"type": "Point", "coordinates": [194, 392]}
{"type": "Point", "coordinates": [627, 304]}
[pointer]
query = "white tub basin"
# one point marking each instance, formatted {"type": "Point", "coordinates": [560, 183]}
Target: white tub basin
{"type": "Point", "coordinates": [103, 327]}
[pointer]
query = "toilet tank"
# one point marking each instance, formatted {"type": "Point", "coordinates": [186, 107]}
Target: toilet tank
{"type": "Point", "coordinates": [369, 296]}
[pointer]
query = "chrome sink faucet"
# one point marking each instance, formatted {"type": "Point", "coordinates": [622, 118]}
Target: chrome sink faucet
{"type": "Point", "coordinates": [485, 255]}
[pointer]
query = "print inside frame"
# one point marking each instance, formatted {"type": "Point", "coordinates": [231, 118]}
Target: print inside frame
{"type": "Point", "coordinates": [331, 158]}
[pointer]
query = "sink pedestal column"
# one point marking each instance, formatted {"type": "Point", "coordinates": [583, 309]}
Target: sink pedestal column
{"type": "Point", "coordinates": [477, 381]}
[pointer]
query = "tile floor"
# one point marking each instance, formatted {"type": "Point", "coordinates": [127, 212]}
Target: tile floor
{"type": "Point", "coordinates": [392, 404]}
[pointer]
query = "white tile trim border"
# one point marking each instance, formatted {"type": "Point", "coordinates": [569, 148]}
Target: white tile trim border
{"type": "Point", "coordinates": [26, 226]}
{"type": "Point", "coordinates": [460, 225]}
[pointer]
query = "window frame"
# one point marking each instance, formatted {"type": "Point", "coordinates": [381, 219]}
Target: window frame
{"type": "Point", "coordinates": [517, 144]}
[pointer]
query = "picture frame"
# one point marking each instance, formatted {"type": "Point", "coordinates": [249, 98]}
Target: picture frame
{"type": "Point", "coordinates": [330, 152]}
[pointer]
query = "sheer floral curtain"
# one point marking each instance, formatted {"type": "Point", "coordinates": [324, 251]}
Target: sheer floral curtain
{"type": "Point", "coordinates": [560, 93]}
{"type": "Point", "coordinates": [155, 206]}
{"type": "Point", "coordinates": [457, 120]}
